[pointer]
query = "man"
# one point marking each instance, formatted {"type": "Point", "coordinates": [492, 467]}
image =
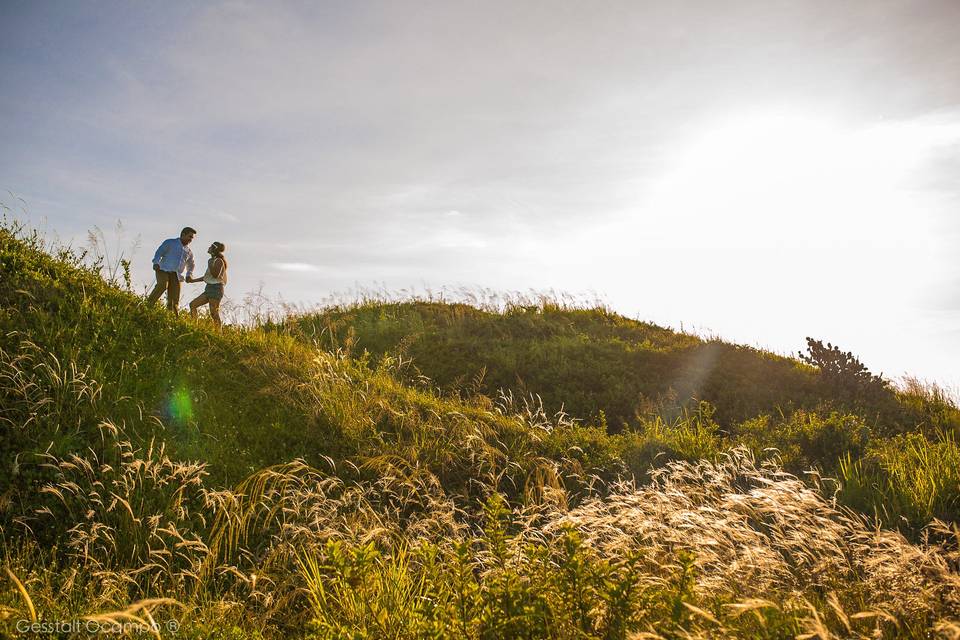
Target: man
{"type": "Point", "coordinates": [171, 258]}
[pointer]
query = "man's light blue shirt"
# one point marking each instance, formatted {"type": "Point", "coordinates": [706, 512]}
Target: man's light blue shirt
{"type": "Point", "coordinates": [173, 255]}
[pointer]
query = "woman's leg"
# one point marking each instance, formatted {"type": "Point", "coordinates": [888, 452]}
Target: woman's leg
{"type": "Point", "coordinates": [198, 302]}
{"type": "Point", "coordinates": [215, 312]}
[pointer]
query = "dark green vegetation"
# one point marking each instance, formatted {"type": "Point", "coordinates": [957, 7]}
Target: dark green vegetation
{"type": "Point", "coordinates": [587, 362]}
{"type": "Point", "coordinates": [599, 366]}
{"type": "Point", "coordinates": [306, 479]}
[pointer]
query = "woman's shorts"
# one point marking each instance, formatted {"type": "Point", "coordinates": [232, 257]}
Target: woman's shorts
{"type": "Point", "coordinates": [214, 291]}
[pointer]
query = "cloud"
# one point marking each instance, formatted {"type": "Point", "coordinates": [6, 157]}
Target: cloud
{"type": "Point", "coordinates": [228, 217]}
{"type": "Point", "coordinates": [295, 267]}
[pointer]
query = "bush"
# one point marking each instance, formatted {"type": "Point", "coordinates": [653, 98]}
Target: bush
{"type": "Point", "coordinates": [807, 440]}
{"type": "Point", "coordinates": [691, 436]}
{"type": "Point", "coordinates": [846, 379]}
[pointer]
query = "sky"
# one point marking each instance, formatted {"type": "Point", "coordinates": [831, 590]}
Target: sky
{"type": "Point", "coordinates": [761, 171]}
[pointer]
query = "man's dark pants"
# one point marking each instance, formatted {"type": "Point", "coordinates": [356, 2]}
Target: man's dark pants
{"type": "Point", "coordinates": [170, 282]}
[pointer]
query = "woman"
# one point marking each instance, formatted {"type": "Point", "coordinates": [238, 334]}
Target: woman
{"type": "Point", "coordinates": [215, 277]}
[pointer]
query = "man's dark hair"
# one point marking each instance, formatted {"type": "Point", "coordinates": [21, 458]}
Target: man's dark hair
{"type": "Point", "coordinates": [188, 230]}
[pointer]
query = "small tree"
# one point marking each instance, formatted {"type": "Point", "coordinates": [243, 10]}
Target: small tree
{"type": "Point", "coordinates": [844, 374]}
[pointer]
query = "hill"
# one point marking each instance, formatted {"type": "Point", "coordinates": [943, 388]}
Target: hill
{"type": "Point", "coordinates": [585, 361]}
{"type": "Point", "coordinates": [248, 482]}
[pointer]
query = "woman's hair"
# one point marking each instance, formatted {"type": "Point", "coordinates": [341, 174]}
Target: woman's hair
{"type": "Point", "coordinates": [219, 247]}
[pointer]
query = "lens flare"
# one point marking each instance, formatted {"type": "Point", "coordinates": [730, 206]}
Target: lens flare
{"type": "Point", "coordinates": [180, 405]}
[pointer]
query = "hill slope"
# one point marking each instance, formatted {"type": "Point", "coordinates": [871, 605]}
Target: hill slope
{"type": "Point", "coordinates": [146, 456]}
{"type": "Point", "coordinates": [587, 361]}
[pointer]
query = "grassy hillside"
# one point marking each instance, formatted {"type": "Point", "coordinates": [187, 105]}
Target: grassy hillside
{"type": "Point", "coordinates": [251, 483]}
{"type": "Point", "coordinates": [588, 360]}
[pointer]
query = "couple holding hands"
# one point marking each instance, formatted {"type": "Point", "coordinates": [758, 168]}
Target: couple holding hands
{"type": "Point", "coordinates": [169, 262]}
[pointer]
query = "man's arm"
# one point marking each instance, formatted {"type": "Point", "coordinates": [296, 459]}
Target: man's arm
{"type": "Point", "coordinates": [189, 264]}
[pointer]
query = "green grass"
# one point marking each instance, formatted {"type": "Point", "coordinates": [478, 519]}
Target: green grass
{"type": "Point", "coordinates": [586, 361]}
{"type": "Point", "coordinates": [907, 480]}
{"type": "Point", "coordinates": [289, 481]}
{"type": "Point", "coordinates": [583, 360]}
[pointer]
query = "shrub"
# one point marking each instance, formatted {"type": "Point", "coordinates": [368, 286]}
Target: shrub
{"type": "Point", "coordinates": [655, 442]}
{"type": "Point", "coordinates": [846, 379]}
{"type": "Point", "coordinates": [807, 440]}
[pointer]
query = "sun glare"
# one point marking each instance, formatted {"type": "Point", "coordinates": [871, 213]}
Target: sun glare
{"type": "Point", "coordinates": [791, 180]}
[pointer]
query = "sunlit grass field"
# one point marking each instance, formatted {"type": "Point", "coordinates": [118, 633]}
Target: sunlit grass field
{"type": "Point", "coordinates": [425, 469]}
